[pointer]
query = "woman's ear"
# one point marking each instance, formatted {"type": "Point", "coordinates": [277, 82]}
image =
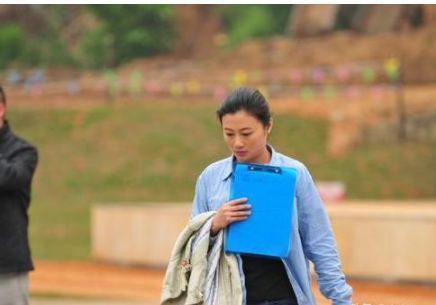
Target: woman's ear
{"type": "Point", "coordinates": [269, 127]}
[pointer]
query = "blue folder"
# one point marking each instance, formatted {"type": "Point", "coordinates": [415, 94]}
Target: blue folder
{"type": "Point", "coordinates": [270, 191]}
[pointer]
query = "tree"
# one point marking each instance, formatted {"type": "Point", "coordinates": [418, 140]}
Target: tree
{"type": "Point", "coordinates": [131, 31]}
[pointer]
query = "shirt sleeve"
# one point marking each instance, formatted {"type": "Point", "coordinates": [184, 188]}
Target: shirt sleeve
{"type": "Point", "coordinates": [199, 204]}
{"type": "Point", "coordinates": [318, 241]}
{"type": "Point", "coordinates": [17, 172]}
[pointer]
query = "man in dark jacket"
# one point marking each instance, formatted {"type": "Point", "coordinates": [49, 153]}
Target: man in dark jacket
{"type": "Point", "coordinates": [18, 161]}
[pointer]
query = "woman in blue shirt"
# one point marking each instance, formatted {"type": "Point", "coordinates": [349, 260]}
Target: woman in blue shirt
{"type": "Point", "coordinates": [246, 123]}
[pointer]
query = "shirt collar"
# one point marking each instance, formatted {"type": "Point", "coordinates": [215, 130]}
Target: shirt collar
{"type": "Point", "coordinates": [231, 161]}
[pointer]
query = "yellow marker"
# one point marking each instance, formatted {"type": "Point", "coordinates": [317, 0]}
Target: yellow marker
{"type": "Point", "coordinates": [392, 68]}
{"type": "Point", "coordinates": [240, 78]}
{"type": "Point", "coordinates": [176, 89]}
{"type": "Point", "coordinates": [193, 87]}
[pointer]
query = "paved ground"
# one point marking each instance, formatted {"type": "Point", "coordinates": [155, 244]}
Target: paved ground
{"type": "Point", "coordinates": [87, 283]}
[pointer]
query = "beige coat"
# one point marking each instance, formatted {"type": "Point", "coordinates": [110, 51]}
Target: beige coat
{"type": "Point", "coordinates": [191, 268]}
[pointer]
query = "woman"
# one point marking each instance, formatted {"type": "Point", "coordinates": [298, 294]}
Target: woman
{"type": "Point", "coordinates": [246, 123]}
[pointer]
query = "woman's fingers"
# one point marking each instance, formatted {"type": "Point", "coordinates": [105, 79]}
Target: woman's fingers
{"type": "Point", "coordinates": [239, 213]}
{"type": "Point", "coordinates": [238, 218]}
{"type": "Point", "coordinates": [235, 202]}
{"type": "Point", "coordinates": [238, 204]}
{"type": "Point", "coordinates": [240, 207]}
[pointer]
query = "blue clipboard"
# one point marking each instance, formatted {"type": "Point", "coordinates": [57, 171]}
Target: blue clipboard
{"type": "Point", "coordinates": [270, 191]}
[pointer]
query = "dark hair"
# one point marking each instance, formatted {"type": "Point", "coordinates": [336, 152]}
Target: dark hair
{"type": "Point", "coordinates": [2, 96]}
{"type": "Point", "coordinates": [248, 99]}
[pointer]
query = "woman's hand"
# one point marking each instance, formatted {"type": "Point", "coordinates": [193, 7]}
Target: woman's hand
{"type": "Point", "coordinates": [231, 211]}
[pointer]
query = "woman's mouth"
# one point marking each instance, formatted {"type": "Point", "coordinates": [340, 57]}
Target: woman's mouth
{"type": "Point", "coordinates": [241, 153]}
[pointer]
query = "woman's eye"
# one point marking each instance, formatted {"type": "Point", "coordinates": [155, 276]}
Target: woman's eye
{"type": "Point", "coordinates": [246, 134]}
{"type": "Point", "coordinates": [229, 134]}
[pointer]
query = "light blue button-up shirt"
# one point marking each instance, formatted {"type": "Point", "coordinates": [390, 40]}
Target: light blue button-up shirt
{"type": "Point", "coordinates": [312, 235]}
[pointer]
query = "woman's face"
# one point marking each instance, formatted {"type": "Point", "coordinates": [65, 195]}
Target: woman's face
{"type": "Point", "coordinates": [246, 137]}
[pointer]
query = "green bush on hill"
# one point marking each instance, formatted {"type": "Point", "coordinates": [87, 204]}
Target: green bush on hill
{"type": "Point", "coordinates": [12, 42]}
{"type": "Point", "coordinates": [129, 31]}
{"type": "Point", "coordinates": [244, 22]}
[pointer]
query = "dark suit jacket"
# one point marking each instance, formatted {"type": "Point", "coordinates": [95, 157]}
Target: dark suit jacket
{"type": "Point", "coordinates": [18, 160]}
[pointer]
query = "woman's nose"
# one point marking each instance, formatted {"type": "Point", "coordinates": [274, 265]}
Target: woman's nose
{"type": "Point", "coordinates": [238, 142]}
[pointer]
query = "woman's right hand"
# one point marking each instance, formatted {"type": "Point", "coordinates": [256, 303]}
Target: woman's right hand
{"type": "Point", "coordinates": [231, 211]}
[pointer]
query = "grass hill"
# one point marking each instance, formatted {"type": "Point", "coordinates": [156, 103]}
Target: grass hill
{"type": "Point", "coordinates": [154, 152]}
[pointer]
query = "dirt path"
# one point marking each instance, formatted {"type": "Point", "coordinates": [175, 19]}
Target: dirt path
{"type": "Point", "coordinates": [98, 280]}
{"type": "Point", "coordinates": [81, 301]}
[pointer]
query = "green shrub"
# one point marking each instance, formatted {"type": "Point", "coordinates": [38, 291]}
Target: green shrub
{"type": "Point", "coordinates": [244, 22]}
{"type": "Point", "coordinates": [93, 49]}
{"type": "Point", "coordinates": [133, 31]}
{"type": "Point", "coordinates": [12, 41]}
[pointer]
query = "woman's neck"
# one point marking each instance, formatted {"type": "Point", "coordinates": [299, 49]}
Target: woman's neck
{"type": "Point", "coordinates": [266, 156]}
